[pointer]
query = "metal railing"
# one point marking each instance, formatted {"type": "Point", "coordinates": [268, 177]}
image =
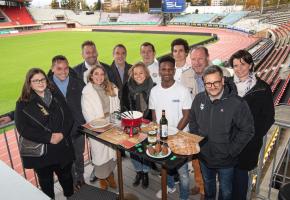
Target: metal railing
{"type": "Point", "coordinates": [9, 135]}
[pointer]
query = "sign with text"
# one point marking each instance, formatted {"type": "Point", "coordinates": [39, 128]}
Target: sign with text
{"type": "Point", "coordinates": [173, 6]}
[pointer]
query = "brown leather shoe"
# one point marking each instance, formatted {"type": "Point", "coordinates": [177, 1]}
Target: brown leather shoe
{"type": "Point", "coordinates": [202, 197]}
{"type": "Point", "coordinates": [103, 184]}
{"type": "Point", "coordinates": [195, 190]}
{"type": "Point", "coordinates": [111, 181]}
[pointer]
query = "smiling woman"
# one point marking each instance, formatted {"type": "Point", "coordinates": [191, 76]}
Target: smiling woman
{"type": "Point", "coordinates": [19, 53]}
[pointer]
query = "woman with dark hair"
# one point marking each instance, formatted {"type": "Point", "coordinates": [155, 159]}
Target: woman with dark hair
{"type": "Point", "coordinates": [135, 96]}
{"type": "Point", "coordinates": [42, 116]}
{"type": "Point", "coordinates": [258, 95]}
{"type": "Point", "coordinates": [99, 100]}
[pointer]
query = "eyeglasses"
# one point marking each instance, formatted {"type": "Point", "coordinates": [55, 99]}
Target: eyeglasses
{"type": "Point", "coordinates": [215, 84]}
{"type": "Point", "coordinates": [38, 81]}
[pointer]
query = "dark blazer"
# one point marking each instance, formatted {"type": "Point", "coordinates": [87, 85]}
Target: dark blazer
{"type": "Point", "coordinates": [227, 125]}
{"type": "Point", "coordinates": [260, 101]}
{"type": "Point", "coordinates": [81, 68]}
{"type": "Point", "coordinates": [57, 118]}
{"type": "Point", "coordinates": [73, 99]}
{"type": "Point", "coordinates": [117, 79]}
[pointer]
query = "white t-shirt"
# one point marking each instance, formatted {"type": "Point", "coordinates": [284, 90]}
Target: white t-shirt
{"type": "Point", "coordinates": [179, 71]}
{"type": "Point", "coordinates": [86, 73]}
{"type": "Point", "coordinates": [154, 71]}
{"type": "Point", "coordinates": [173, 100]}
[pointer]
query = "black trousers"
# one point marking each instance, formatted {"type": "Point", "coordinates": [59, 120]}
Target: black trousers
{"type": "Point", "coordinates": [45, 178]}
{"type": "Point", "coordinates": [78, 164]}
{"type": "Point", "coordinates": [240, 184]}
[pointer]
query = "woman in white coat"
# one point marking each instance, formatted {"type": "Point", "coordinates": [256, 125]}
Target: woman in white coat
{"type": "Point", "coordinates": [99, 99]}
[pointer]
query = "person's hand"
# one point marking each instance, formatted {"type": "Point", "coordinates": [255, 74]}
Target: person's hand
{"type": "Point", "coordinates": [56, 138]}
{"type": "Point", "coordinates": [5, 120]}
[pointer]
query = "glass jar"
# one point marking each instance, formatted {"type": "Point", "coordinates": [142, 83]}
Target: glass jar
{"type": "Point", "coordinates": [152, 137]}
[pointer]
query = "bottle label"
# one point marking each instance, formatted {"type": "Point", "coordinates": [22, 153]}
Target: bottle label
{"type": "Point", "coordinates": [164, 130]}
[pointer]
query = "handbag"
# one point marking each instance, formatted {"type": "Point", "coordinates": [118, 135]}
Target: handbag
{"type": "Point", "coordinates": [29, 148]}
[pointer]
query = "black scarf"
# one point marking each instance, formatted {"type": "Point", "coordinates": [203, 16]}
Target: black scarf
{"type": "Point", "coordinates": [139, 95]}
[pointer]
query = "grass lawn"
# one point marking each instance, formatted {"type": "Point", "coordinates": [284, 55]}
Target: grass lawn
{"type": "Point", "coordinates": [20, 53]}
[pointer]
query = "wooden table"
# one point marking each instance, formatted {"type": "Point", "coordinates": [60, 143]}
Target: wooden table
{"type": "Point", "coordinates": [167, 163]}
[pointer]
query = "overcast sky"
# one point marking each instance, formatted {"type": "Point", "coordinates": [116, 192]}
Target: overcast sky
{"type": "Point", "coordinates": [40, 3]}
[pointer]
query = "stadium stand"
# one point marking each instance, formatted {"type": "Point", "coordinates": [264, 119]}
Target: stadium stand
{"type": "Point", "coordinates": [193, 18]}
{"type": "Point", "coordinates": [233, 17]}
{"type": "Point", "coordinates": [44, 15]}
{"type": "Point", "coordinates": [17, 15]}
{"type": "Point", "coordinates": [139, 18]}
{"type": "Point", "coordinates": [263, 50]}
{"type": "Point", "coordinates": [269, 68]}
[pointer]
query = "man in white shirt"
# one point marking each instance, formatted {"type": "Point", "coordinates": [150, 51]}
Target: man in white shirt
{"type": "Point", "coordinates": [147, 52]}
{"type": "Point", "coordinates": [175, 99]}
{"type": "Point", "coordinates": [179, 50]}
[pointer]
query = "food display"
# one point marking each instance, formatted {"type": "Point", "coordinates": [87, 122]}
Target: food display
{"type": "Point", "coordinates": [158, 150]}
{"type": "Point", "coordinates": [183, 146]}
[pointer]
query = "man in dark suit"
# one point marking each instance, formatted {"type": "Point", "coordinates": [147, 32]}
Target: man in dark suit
{"type": "Point", "coordinates": [90, 56]}
{"type": "Point", "coordinates": [120, 67]}
{"type": "Point", "coordinates": [68, 85]}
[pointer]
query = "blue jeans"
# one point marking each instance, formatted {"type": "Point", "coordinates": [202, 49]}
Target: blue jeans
{"type": "Point", "coordinates": [183, 182]}
{"type": "Point", "coordinates": [139, 164]}
{"type": "Point", "coordinates": [225, 177]}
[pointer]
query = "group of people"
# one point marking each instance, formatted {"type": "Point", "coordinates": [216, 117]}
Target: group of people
{"type": "Point", "coordinates": [232, 113]}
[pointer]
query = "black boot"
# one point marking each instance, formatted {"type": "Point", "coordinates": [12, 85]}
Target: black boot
{"type": "Point", "coordinates": [138, 178]}
{"type": "Point", "coordinates": [145, 180]}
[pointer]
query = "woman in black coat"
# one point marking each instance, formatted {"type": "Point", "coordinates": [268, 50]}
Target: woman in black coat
{"type": "Point", "coordinates": [42, 116]}
{"type": "Point", "coordinates": [135, 96]}
{"type": "Point", "coordinates": [258, 95]}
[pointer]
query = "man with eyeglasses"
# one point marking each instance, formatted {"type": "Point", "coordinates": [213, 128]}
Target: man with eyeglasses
{"type": "Point", "coordinates": [226, 122]}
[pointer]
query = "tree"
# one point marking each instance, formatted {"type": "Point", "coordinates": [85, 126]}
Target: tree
{"type": "Point", "coordinates": [139, 5]}
{"type": "Point", "coordinates": [71, 4]}
{"type": "Point", "coordinates": [64, 3]}
{"type": "Point", "coordinates": [97, 5]}
{"type": "Point", "coordinates": [54, 4]}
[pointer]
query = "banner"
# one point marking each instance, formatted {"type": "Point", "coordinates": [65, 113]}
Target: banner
{"type": "Point", "coordinates": [173, 6]}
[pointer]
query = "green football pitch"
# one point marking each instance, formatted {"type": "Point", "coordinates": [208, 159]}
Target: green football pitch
{"type": "Point", "coordinates": [19, 53]}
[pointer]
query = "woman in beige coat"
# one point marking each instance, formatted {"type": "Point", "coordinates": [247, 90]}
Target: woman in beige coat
{"type": "Point", "coordinates": [99, 99]}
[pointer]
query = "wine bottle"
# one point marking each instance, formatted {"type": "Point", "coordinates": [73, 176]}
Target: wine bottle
{"type": "Point", "coordinates": [163, 127]}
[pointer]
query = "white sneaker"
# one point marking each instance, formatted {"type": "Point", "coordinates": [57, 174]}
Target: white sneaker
{"type": "Point", "coordinates": [169, 190]}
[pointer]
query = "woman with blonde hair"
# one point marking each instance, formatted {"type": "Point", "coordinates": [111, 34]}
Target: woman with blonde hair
{"type": "Point", "coordinates": [99, 99]}
{"type": "Point", "coordinates": [135, 96]}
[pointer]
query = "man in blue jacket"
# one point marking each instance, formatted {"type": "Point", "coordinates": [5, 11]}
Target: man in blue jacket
{"type": "Point", "coordinates": [226, 122]}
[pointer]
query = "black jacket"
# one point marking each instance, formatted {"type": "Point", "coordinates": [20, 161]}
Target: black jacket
{"type": "Point", "coordinates": [130, 99]}
{"type": "Point", "coordinates": [73, 99]}
{"type": "Point", "coordinates": [9, 114]}
{"type": "Point", "coordinates": [260, 101]}
{"type": "Point", "coordinates": [58, 119]}
{"type": "Point", "coordinates": [81, 68]}
{"type": "Point", "coordinates": [117, 79]}
{"type": "Point", "coordinates": [227, 125]}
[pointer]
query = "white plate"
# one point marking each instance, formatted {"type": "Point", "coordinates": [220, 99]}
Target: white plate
{"type": "Point", "coordinates": [160, 155]}
{"type": "Point", "coordinates": [99, 123]}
